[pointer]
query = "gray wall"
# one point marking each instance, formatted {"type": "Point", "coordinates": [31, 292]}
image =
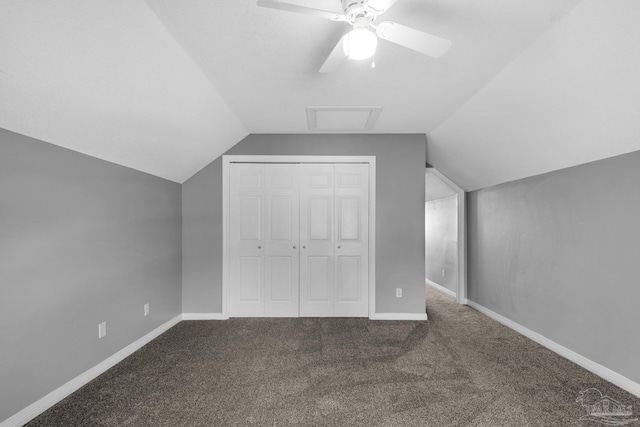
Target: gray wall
{"type": "Point", "coordinates": [81, 241]}
{"type": "Point", "coordinates": [399, 214]}
{"type": "Point", "coordinates": [558, 254]}
{"type": "Point", "coordinates": [441, 241]}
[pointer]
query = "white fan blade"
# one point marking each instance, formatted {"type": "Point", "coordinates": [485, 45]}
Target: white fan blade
{"type": "Point", "coordinates": [301, 9]}
{"type": "Point", "coordinates": [335, 59]}
{"type": "Point", "coordinates": [381, 6]}
{"type": "Point", "coordinates": [413, 39]}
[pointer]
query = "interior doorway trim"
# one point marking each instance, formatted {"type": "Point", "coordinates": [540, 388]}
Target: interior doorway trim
{"type": "Point", "coordinates": [228, 159]}
{"type": "Point", "coordinates": [461, 288]}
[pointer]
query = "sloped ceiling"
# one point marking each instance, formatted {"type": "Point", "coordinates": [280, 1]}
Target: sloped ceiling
{"type": "Point", "coordinates": [166, 87]}
{"type": "Point", "coordinates": [572, 97]}
{"type": "Point", "coordinates": [105, 78]}
{"type": "Point", "coordinates": [265, 62]}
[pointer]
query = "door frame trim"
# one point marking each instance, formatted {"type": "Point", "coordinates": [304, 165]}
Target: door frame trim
{"type": "Point", "coordinates": [461, 288]}
{"type": "Point", "coordinates": [228, 159]}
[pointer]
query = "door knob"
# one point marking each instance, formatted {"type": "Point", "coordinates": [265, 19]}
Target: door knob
{"type": "Point", "coordinates": [304, 247]}
{"type": "Point", "coordinates": [294, 247]}
{"type": "Point", "coordinates": [338, 247]}
{"type": "Point", "coordinates": [259, 247]}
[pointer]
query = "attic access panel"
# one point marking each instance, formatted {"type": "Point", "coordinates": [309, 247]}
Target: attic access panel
{"type": "Point", "coordinates": [342, 119]}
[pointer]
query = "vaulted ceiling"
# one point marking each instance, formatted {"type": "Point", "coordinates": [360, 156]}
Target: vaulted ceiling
{"type": "Point", "coordinates": [265, 62]}
{"type": "Point", "coordinates": [166, 87]}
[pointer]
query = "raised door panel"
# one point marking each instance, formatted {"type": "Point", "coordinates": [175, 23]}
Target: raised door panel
{"type": "Point", "coordinates": [348, 278]}
{"type": "Point", "coordinates": [319, 216]}
{"type": "Point", "coordinates": [320, 270]}
{"type": "Point", "coordinates": [280, 283]}
{"type": "Point", "coordinates": [349, 217]}
{"type": "Point", "coordinates": [249, 280]}
{"type": "Point", "coordinates": [280, 218]}
{"type": "Point", "coordinates": [250, 218]}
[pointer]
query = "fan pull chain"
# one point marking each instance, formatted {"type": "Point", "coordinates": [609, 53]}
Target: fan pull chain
{"type": "Point", "coordinates": [373, 61]}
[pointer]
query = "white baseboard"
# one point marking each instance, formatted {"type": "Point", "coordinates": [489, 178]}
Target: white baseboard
{"type": "Point", "coordinates": [440, 288]}
{"type": "Point", "coordinates": [398, 316]}
{"type": "Point", "coordinates": [376, 316]}
{"type": "Point", "coordinates": [204, 316]}
{"type": "Point", "coordinates": [601, 371]}
{"type": "Point", "coordinates": [41, 405]}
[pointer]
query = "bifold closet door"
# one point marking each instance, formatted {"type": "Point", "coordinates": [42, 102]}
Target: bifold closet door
{"type": "Point", "coordinates": [334, 225]}
{"type": "Point", "coordinates": [263, 240]}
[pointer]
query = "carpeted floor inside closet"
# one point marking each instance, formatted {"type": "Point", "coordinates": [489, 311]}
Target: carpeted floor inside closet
{"type": "Point", "coordinates": [459, 368]}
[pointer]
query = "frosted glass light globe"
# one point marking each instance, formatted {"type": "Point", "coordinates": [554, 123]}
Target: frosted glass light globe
{"type": "Point", "coordinates": [359, 44]}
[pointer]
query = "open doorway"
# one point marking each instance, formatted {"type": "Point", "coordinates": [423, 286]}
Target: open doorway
{"type": "Point", "coordinates": [445, 267]}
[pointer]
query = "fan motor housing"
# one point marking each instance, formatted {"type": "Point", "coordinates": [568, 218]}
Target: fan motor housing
{"type": "Point", "coordinates": [354, 9]}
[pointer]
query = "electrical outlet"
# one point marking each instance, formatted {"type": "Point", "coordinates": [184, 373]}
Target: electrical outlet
{"type": "Point", "coordinates": [398, 292]}
{"type": "Point", "coordinates": [444, 273]}
{"type": "Point", "coordinates": [102, 330]}
{"type": "Point", "coordinates": [146, 309]}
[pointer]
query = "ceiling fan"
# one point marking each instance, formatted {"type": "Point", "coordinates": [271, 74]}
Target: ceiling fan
{"type": "Point", "coordinates": [361, 42]}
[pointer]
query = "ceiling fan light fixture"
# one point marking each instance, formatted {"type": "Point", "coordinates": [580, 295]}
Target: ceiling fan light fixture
{"type": "Point", "coordinates": [360, 43]}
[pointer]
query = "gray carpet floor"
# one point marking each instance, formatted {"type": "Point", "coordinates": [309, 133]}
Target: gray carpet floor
{"type": "Point", "coordinates": [459, 368]}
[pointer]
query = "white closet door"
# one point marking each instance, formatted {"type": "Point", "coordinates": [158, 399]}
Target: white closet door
{"type": "Point", "coordinates": [317, 237]}
{"type": "Point", "coordinates": [298, 240]}
{"type": "Point", "coordinates": [351, 241]}
{"type": "Point", "coordinates": [334, 225]}
{"type": "Point", "coordinates": [282, 230]}
{"type": "Point", "coordinates": [246, 239]}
